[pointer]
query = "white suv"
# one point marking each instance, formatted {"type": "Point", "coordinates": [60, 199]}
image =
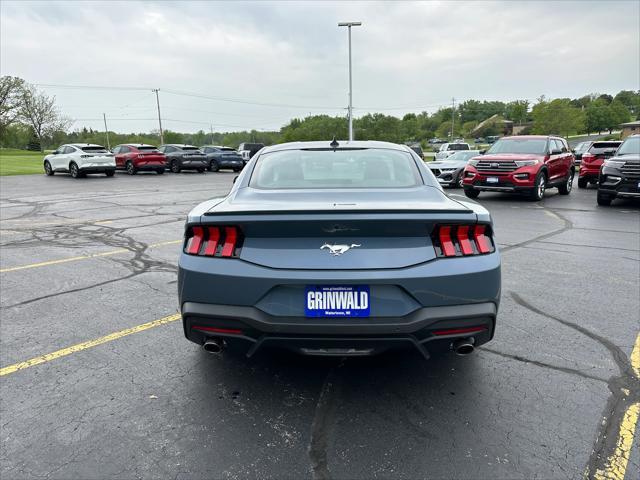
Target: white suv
{"type": "Point", "coordinates": [78, 159]}
{"type": "Point", "coordinates": [448, 149]}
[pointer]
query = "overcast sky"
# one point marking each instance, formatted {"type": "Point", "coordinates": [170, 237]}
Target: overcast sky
{"type": "Point", "coordinates": [290, 59]}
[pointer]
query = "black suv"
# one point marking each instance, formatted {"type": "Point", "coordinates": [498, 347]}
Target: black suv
{"type": "Point", "coordinates": [184, 157]}
{"type": "Point", "coordinates": [620, 174]}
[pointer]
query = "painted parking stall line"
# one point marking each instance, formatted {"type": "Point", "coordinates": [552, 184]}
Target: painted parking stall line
{"type": "Point", "coordinates": [82, 257]}
{"type": "Point", "coordinates": [85, 345]}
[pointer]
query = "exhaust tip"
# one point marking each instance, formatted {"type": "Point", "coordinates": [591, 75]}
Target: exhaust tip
{"type": "Point", "coordinates": [213, 345]}
{"type": "Point", "coordinates": [464, 346]}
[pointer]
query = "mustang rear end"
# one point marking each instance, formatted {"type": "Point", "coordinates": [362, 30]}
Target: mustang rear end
{"type": "Point", "coordinates": [348, 249]}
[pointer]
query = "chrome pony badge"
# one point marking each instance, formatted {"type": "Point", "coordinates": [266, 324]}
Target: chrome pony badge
{"type": "Point", "coordinates": [336, 250]}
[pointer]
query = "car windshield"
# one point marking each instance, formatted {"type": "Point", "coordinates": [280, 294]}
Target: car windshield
{"type": "Point", "coordinates": [94, 149]}
{"type": "Point", "coordinates": [464, 155]}
{"type": "Point", "coordinates": [537, 146]}
{"type": "Point", "coordinates": [347, 168]}
{"type": "Point", "coordinates": [631, 146]}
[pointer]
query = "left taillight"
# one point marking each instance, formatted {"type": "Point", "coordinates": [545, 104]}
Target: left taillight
{"type": "Point", "coordinates": [462, 240]}
{"type": "Point", "coordinates": [213, 241]}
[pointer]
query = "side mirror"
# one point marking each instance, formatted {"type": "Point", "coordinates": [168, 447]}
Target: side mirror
{"type": "Point", "coordinates": [482, 152]}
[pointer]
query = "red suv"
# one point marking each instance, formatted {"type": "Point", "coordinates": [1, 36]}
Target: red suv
{"type": "Point", "coordinates": [136, 157]}
{"type": "Point", "coordinates": [526, 164]}
{"type": "Point", "coordinates": [593, 159]}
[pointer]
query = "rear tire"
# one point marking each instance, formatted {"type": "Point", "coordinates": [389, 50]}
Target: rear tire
{"type": "Point", "coordinates": [131, 169]}
{"type": "Point", "coordinates": [565, 188]}
{"type": "Point", "coordinates": [175, 168]}
{"type": "Point", "coordinates": [604, 200]}
{"type": "Point", "coordinates": [537, 193]}
{"type": "Point", "coordinates": [582, 182]}
{"type": "Point", "coordinates": [74, 170]}
{"type": "Point", "coordinates": [110, 173]}
{"type": "Point", "coordinates": [471, 192]}
{"type": "Point", "coordinates": [213, 166]}
{"type": "Point", "coordinates": [48, 171]}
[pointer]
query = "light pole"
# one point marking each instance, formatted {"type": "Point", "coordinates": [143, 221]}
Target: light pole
{"type": "Point", "coordinates": [349, 25]}
{"type": "Point", "coordinates": [156, 90]}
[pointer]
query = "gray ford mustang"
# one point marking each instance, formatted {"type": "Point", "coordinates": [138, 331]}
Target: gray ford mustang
{"type": "Point", "coordinates": [341, 248]}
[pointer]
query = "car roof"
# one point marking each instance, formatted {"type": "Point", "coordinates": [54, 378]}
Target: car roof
{"type": "Point", "coordinates": [532, 136]}
{"type": "Point", "coordinates": [343, 144]}
{"type": "Point", "coordinates": [80, 145]}
{"type": "Point", "coordinates": [216, 146]}
{"type": "Point", "coordinates": [135, 145]}
{"type": "Point", "coordinates": [179, 145]}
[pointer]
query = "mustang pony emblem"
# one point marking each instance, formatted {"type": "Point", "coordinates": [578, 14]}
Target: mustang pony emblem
{"type": "Point", "coordinates": [336, 250]}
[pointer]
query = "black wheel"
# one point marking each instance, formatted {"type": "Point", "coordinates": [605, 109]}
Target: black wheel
{"type": "Point", "coordinates": [604, 200]}
{"type": "Point", "coordinates": [130, 168]}
{"type": "Point", "coordinates": [175, 168]}
{"type": "Point", "coordinates": [472, 192]}
{"type": "Point", "coordinates": [537, 193]}
{"type": "Point", "coordinates": [48, 171]}
{"type": "Point", "coordinates": [201, 170]}
{"type": "Point", "coordinates": [110, 173]}
{"type": "Point", "coordinates": [565, 188]}
{"type": "Point", "coordinates": [160, 171]}
{"type": "Point", "coordinates": [74, 170]}
{"type": "Point", "coordinates": [213, 166]}
{"type": "Point", "coordinates": [582, 182]}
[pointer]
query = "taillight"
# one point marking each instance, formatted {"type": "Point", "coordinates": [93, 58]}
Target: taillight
{"type": "Point", "coordinates": [213, 241]}
{"type": "Point", "coordinates": [588, 157]}
{"type": "Point", "coordinates": [462, 240]}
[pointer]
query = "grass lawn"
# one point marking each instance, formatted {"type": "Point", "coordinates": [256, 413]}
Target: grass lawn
{"type": "Point", "coordinates": [20, 162]}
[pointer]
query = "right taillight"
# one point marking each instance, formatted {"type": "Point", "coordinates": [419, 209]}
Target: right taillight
{"type": "Point", "coordinates": [213, 241]}
{"type": "Point", "coordinates": [588, 157]}
{"type": "Point", "coordinates": [462, 240]}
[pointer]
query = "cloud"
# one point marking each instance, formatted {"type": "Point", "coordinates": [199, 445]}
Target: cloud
{"type": "Point", "coordinates": [410, 55]}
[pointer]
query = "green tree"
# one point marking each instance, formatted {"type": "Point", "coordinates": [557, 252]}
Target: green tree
{"type": "Point", "coordinates": [517, 111]}
{"type": "Point", "coordinates": [11, 92]}
{"type": "Point", "coordinates": [556, 117]}
{"type": "Point", "coordinates": [629, 99]}
{"type": "Point", "coordinates": [618, 114]}
{"type": "Point", "coordinates": [597, 116]}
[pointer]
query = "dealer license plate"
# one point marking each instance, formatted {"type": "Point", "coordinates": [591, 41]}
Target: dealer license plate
{"type": "Point", "coordinates": [337, 301]}
{"type": "Point", "coordinates": [493, 179]}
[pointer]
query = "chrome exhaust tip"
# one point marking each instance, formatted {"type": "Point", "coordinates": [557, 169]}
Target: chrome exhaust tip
{"type": "Point", "coordinates": [213, 345]}
{"type": "Point", "coordinates": [464, 346]}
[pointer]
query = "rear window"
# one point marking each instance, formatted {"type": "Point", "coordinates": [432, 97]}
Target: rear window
{"type": "Point", "coordinates": [147, 149]}
{"type": "Point", "coordinates": [228, 150]}
{"type": "Point", "coordinates": [94, 149]}
{"type": "Point", "coordinates": [599, 147]}
{"type": "Point", "coordinates": [458, 146]}
{"type": "Point", "coordinates": [189, 148]}
{"type": "Point", "coordinates": [361, 168]}
{"type": "Point", "coordinates": [536, 146]}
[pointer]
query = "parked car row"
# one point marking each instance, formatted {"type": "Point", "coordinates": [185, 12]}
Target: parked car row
{"type": "Point", "coordinates": [530, 164]}
{"type": "Point", "coordinates": [80, 159]}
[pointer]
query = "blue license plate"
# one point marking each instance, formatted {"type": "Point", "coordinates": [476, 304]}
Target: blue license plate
{"type": "Point", "coordinates": [337, 301]}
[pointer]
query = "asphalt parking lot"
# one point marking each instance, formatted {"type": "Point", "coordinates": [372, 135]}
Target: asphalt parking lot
{"type": "Point", "coordinates": [92, 262]}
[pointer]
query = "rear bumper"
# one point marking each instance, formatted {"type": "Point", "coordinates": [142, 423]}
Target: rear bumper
{"type": "Point", "coordinates": [193, 164]}
{"type": "Point", "coordinates": [97, 168]}
{"type": "Point", "coordinates": [150, 165]}
{"type": "Point", "coordinates": [430, 330]}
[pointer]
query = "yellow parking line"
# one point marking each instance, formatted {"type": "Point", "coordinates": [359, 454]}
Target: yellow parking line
{"type": "Point", "coordinates": [81, 257]}
{"type": "Point", "coordinates": [84, 345]}
{"type": "Point", "coordinates": [616, 466]}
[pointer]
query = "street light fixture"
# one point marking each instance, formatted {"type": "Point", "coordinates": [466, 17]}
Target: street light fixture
{"type": "Point", "coordinates": [349, 25]}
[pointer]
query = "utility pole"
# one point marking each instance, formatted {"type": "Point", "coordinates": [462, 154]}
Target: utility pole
{"type": "Point", "coordinates": [349, 25]}
{"type": "Point", "coordinates": [453, 115]}
{"type": "Point", "coordinates": [159, 119]}
{"type": "Point", "coordinates": [211, 128]}
{"type": "Point", "coordinates": [106, 130]}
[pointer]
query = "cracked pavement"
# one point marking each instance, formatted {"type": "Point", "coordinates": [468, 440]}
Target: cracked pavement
{"type": "Point", "coordinates": [544, 399]}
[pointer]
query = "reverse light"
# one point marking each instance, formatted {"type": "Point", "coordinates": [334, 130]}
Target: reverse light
{"type": "Point", "coordinates": [462, 240]}
{"type": "Point", "coordinates": [213, 241]}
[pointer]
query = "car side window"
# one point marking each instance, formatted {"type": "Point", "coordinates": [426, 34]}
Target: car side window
{"type": "Point", "coordinates": [125, 149]}
{"type": "Point", "coordinates": [116, 150]}
{"type": "Point", "coordinates": [560, 145]}
{"type": "Point", "coordinates": [168, 149]}
{"type": "Point", "coordinates": [69, 150]}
